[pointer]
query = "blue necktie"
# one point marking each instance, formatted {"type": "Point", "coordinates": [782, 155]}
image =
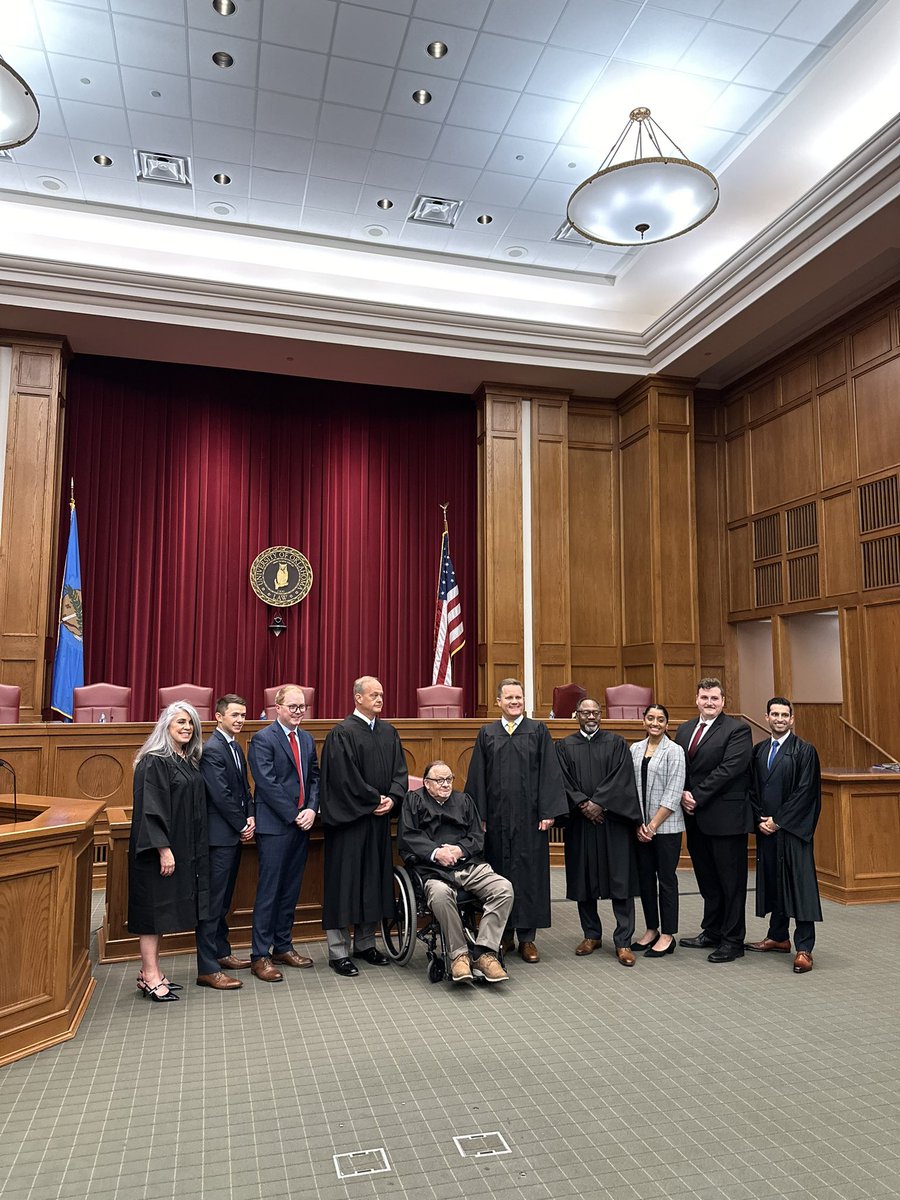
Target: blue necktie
{"type": "Point", "coordinates": [772, 752]}
{"type": "Point", "coordinates": [237, 759]}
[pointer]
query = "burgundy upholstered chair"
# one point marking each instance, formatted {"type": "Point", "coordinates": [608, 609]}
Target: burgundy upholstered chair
{"type": "Point", "coordinates": [10, 699]}
{"type": "Point", "coordinates": [566, 699]}
{"type": "Point", "coordinates": [439, 703]}
{"type": "Point", "coordinates": [96, 698]}
{"type": "Point", "coordinates": [271, 693]}
{"type": "Point", "coordinates": [200, 697]}
{"type": "Point", "coordinates": [627, 702]}
{"type": "Point", "coordinates": [415, 782]}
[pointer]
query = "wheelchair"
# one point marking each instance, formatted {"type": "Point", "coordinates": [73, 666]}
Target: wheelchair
{"type": "Point", "coordinates": [412, 920]}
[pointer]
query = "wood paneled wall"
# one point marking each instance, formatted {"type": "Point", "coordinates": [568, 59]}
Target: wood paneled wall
{"type": "Point", "coordinates": [31, 501]}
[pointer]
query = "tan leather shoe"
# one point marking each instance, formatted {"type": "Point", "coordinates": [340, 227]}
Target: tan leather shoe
{"type": "Point", "coordinates": [528, 952]}
{"type": "Point", "coordinates": [588, 946]}
{"type": "Point", "coordinates": [803, 963]}
{"type": "Point", "coordinates": [262, 968]}
{"type": "Point", "coordinates": [232, 963]}
{"type": "Point", "coordinates": [489, 967]}
{"type": "Point", "coordinates": [220, 981]}
{"type": "Point", "coordinates": [768, 944]}
{"type": "Point", "coordinates": [461, 970]}
{"type": "Point", "coordinates": [625, 957]}
{"type": "Point", "coordinates": [291, 958]}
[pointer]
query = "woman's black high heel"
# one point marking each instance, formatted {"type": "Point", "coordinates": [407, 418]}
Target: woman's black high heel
{"type": "Point", "coordinates": [153, 992]}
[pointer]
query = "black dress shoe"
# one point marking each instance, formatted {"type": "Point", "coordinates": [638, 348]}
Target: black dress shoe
{"type": "Point", "coordinates": [699, 942]}
{"type": "Point", "coordinates": [344, 966]}
{"type": "Point", "coordinates": [637, 947]}
{"type": "Point", "coordinates": [651, 953]}
{"type": "Point", "coordinates": [725, 954]}
{"type": "Point", "coordinates": [373, 957]}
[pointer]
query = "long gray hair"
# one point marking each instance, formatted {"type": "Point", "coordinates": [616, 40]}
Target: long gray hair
{"type": "Point", "coordinates": [159, 741]}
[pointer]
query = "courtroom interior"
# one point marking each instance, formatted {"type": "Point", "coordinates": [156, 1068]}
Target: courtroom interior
{"type": "Point", "coordinates": [350, 305]}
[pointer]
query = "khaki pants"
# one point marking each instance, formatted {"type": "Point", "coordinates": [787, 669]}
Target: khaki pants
{"type": "Point", "coordinates": [493, 891]}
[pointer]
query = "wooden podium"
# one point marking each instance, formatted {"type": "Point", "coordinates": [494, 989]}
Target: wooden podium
{"type": "Point", "coordinates": [46, 863]}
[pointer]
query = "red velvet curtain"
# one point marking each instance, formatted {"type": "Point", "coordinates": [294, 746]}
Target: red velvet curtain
{"type": "Point", "coordinates": [184, 474]}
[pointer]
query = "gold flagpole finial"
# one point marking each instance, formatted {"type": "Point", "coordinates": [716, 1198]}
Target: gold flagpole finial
{"type": "Point", "coordinates": [72, 493]}
{"type": "Point", "coordinates": [444, 508]}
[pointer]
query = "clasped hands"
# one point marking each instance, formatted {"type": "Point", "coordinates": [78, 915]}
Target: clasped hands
{"type": "Point", "coordinates": [384, 806]}
{"type": "Point", "coordinates": [447, 855]}
{"type": "Point", "coordinates": [767, 825]}
{"type": "Point", "coordinates": [593, 812]}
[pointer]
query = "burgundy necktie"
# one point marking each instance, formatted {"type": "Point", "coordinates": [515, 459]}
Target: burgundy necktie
{"type": "Point", "coordinates": [698, 734]}
{"type": "Point", "coordinates": [295, 750]}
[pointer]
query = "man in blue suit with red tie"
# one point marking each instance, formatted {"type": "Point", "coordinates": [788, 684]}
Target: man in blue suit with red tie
{"type": "Point", "coordinates": [229, 809]}
{"type": "Point", "coordinates": [286, 777]}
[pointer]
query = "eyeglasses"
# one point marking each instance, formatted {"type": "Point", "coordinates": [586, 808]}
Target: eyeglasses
{"type": "Point", "coordinates": [589, 712]}
{"type": "Point", "coordinates": [440, 780]}
{"type": "Point", "coordinates": [295, 708]}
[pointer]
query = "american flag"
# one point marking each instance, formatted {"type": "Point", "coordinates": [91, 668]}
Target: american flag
{"type": "Point", "coordinates": [449, 635]}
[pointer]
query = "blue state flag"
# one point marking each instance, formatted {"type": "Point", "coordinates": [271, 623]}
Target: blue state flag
{"type": "Point", "coordinates": [68, 665]}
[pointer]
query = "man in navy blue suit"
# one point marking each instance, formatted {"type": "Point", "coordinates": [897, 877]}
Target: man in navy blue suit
{"type": "Point", "coordinates": [229, 807]}
{"type": "Point", "coordinates": [286, 776]}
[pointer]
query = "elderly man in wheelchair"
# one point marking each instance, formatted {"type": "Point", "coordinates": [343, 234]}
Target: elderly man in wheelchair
{"type": "Point", "coordinates": [440, 839]}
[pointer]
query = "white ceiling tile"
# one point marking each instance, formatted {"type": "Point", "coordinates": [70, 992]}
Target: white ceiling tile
{"type": "Point", "coordinates": [565, 74]}
{"type": "Point", "coordinates": [90, 121]}
{"type": "Point", "coordinates": [520, 156]}
{"type": "Point", "coordinates": [280, 153]}
{"type": "Point", "coordinates": [174, 99]}
{"type": "Point", "coordinates": [34, 68]}
{"type": "Point", "coordinates": [166, 135]}
{"type": "Point", "coordinates": [368, 35]}
{"type": "Point", "coordinates": [51, 117]}
{"type": "Point", "coordinates": [710, 145]}
{"type": "Point", "coordinates": [243, 22]}
{"type": "Point", "coordinates": [559, 168]}
{"type": "Point", "coordinates": [467, 226]}
{"type": "Point", "coordinates": [402, 199]}
{"type": "Point", "coordinates": [721, 51]}
{"type": "Point", "coordinates": [405, 135]}
{"type": "Point", "coordinates": [339, 162]}
{"type": "Point", "coordinates": [140, 42]}
{"type": "Point", "coordinates": [163, 10]}
{"type": "Point", "coordinates": [358, 229]}
{"type": "Point", "coordinates": [478, 107]}
{"type": "Point", "coordinates": [32, 176]}
{"type": "Point", "coordinates": [548, 196]}
{"type": "Point", "coordinates": [400, 100]}
{"type": "Point", "coordinates": [532, 250]}
{"type": "Point", "coordinates": [273, 216]}
{"type": "Point", "coordinates": [658, 38]}
{"type": "Point", "coordinates": [223, 103]}
{"type": "Point", "coordinates": [772, 65]}
{"type": "Point", "coordinates": [20, 29]}
{"type": "Point", "coordinates": [495, 188]}
{"type": "Point", "coordinates": [280, 186]}
{"type": "Point", "coordinates": [297, 72]}
{"type": "Point", "coordinates": [420, 35]}
{"type": "Point", "coordinates": [600, 24]}
{"type": "Point", "coordinates": [103, 79]}
{"type": "Point", "coordinates": [348, 126]}
{"type": "Point", "coordinates": [467, 13]}
{"type": "Point", "coordinates": [464, 147]}
{"type": "Point", "coordinates": [764, 15]}
{"type": "Point", "coordinates": [111, 191]}
{"type": "Point", "coordinates": [202, 45]}
{"type": "Point", "coordinates": [698, 8]}
{"type": "Point", "coordinates": [206, 205]}
{"type": "Point", "coordinates": [393, 6]}
{"type": "Point", "coordinates": [537, 226]}
{"type": "Point", "coordinates": [442, 179]}
{"type": "Point", "coordinates": [122, 166]}
{"type": "Point", "coordinates": [46, 151]}
{"type": "Point", "coordinates": [502, 61]}
{"type": "Point", "coordinates": [539, 117]}
{"type": "Point", "coordinates": [425, 237]}
{"type": "Point", "coordinates": [221, 141]}
{"type": "Point", "coordinates": [205, 168]}
{"type": "Point", "coordinates": [393, 170]}
{"type": "Point", "coordinates": [329, 224]}
{"type": "Point", "coordinates": [362, 85]}
{"type": "Point", "coordinates": [165, 197]}
{"type": "Point", "coordinates": [278, 113]}
{"type": "Point", "coordinates": [737, 106]}
{"type": "Point", "coordinates": [564, 256]}
{"type": "Point", "coordinates": [90, 36]}
{"type": "Point", "coordinates": [336, 194]}
{"type": "Point", "coordinates": [309, 27]}
{"type": "Point", "coordinates": [814, 20]}
{"type": "Point", "coordinates": [529, 18]}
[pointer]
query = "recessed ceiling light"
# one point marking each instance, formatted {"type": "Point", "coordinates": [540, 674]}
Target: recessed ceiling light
{"type": "Point", "coordinates": [376, 231]}
{"type": "Point", "coordinates": [222, 59]}
{"type": "Point", "coordinates": [85, 80]}
{"type": "Point", "coordinates": [155, 94]}
{"type": "Point", "coordinates": [520, 158]}
{"type": "Point", "coordinates": [484, 219]}
{"type": "Point", "coordinates": [515, 251]}
{"type": "Point", "coordinates": [222, 179]}
{"type": "Point", "coordinates": [385, 203]}
{"type": "Point", "coordinates": [225, 8]}
{"type": "Point", "coordinates": [436, 49]}
{"type": "Point", "coordinates": [571, 165]}
{"type": "Point", "coordinates": [103, 160]}
{"type": "Point", "coordinates": [221, 209]}
{"type": "Point", "coordinates": [52, 184]}
{"type": "Point", "coordinates": [421, 96]}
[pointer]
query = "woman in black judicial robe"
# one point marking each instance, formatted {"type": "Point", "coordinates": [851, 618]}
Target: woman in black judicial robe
{"type": "Point", "coordinates": [168, 854]}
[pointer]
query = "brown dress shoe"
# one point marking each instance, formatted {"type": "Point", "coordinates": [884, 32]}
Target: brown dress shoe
{"type": "Point", "coordinates": [768, 944]}
{"type": "Point", "coordinates": [291, 958]}
{"type": "Point", "coordinates": [262, 968]}
{"type": "Point", "coordinates": [507, 944]}
{"type": "Point", "coordinates": [624, 955]}
{"type": "Point", "coordinates": [588, 946]}
{"type": "Point", "coordinates": [220, 981]}
{"type": "Point", "coordinates": [529, 953]}
{"type": "Point", "coordinates": [803, 962]}
{"type": "Point", "coordinates": [232, 963]}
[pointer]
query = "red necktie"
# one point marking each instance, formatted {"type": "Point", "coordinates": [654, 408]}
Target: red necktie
{"type": "Point", "coordinates": [698, 734]}
{"type": "Point", "coordinates": [295, 750]}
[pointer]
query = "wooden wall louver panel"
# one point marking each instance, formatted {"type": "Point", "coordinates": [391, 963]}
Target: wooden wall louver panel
{"type": "Point", "coordinates": [803, 577]}
{"type": "Point", "coordinates": [802, 527]}
{"type": "Point", "coordinates": [879, 504]}
{"type": "Point", "coordinates": [766, 536]}
{"type": "Point", "coordinates": [550, 548]}
{"type": "Point", "coordinates": [881, 562]}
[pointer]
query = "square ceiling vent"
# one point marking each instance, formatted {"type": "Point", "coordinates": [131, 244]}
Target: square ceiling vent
{"type": "Point", "coordinates": [432, 210]}
{"type": "Point", "coordinates": [151, 167]}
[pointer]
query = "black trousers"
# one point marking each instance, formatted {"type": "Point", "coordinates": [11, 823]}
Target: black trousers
{"type": "Point", "coordinates": [657, 864]}
{"type": "Point", "coordinates": [212, 934]}
{"type": "Point", "coordinates": [720, 864]}
{"type": "Point", "coordinates": [768, 872]}
{"type": "Point", "coordinates": [623, 911]}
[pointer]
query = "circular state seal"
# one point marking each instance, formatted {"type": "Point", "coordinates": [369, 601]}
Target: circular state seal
{"type": "Point", "coordinates": [281, 576]}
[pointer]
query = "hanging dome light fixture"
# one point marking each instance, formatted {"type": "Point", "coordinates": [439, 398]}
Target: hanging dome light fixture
{"type": "Point", "coordinates": [19, 112]}
{"type": "Point", "coordinates": [646, 198]}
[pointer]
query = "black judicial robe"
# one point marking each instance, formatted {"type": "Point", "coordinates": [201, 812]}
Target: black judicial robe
{"type": "Point", "coordinates": [601, 860]}
{"type": "Point", "coordinates": [169, 810]}
{"type": "Point", "coordinates": [516, 782]}
{"type": "Point", "coordinates": [791, 794]}
{"type": "Point", "coordinates": [359, 766]}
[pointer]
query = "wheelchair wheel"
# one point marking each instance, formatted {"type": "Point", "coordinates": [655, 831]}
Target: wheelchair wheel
{"type": "Point", "coordinates": [436, 970]}
{"type": "Point", "coordinates": [399, 930]}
